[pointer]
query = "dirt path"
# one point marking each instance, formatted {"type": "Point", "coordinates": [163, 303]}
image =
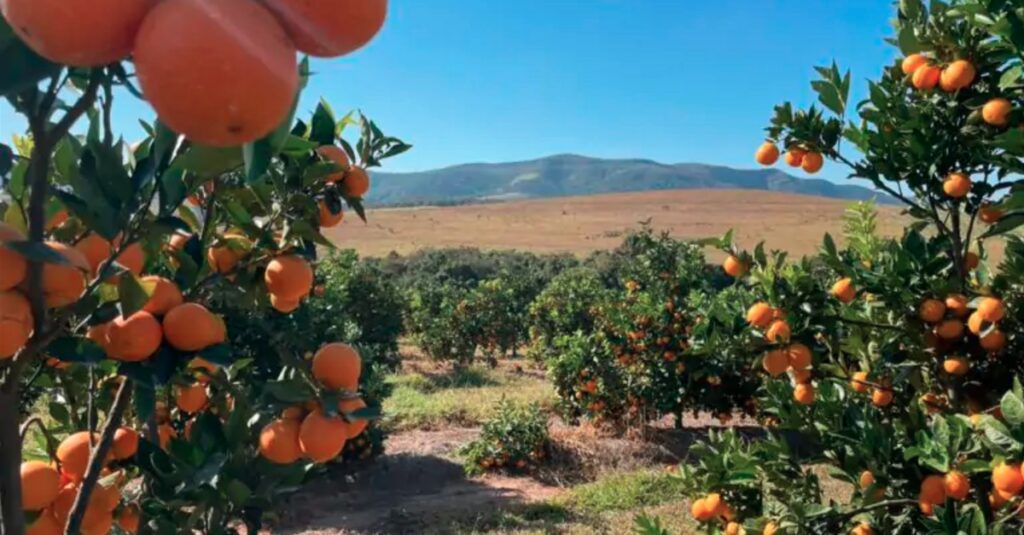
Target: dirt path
{"type": "Point", "coordinates": [417, 482]}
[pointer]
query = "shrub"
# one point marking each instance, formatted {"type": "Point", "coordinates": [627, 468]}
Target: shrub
{"type": "Point", "coordinates": [568, 304]}
{"type": "Point", "coordinates": [515, 438]}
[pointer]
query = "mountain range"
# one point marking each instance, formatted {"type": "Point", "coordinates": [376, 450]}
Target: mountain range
{"type": "Point", "coordinates": [570, 175]}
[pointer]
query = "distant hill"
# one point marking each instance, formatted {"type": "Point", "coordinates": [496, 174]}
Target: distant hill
{"type": "Point", "coordinates": [571, 175]}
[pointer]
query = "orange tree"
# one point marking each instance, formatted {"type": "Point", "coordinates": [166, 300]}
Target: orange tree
{"type": "Point", "coordinates": [122, 266]}
{"type": "Point", "coordinates": [894, 361]}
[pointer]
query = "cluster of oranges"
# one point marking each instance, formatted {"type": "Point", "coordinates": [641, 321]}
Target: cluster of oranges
{"type": "Point", "coordinates": [936, 488]}
{"type": "Point", "coordinates": [796, 358]}
{"type": "Point", "coordinates": [924, 74]}
{"type": "Point", "coordinates": [714, 508]}
{"type": "Point", "coordinates": [307, 431]}
{"type": "Point", "coordinates": [810, 161]}
{"type": "Point", "coordinates": [353, 181]}
{"type": "Point", "coordinates": [946, 316]}
{"type": "Point", "coordinates": [221, 73]}
{"type": "Point", "coordinates": [50, 489]}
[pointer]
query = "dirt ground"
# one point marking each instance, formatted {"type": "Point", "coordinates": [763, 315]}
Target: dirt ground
{"type": "Point", "coordinates": [580, 225]}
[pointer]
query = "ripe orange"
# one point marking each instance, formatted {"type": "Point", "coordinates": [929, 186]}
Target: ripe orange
{"type": "Point", "coordinates": [13, 266]}
{"type": "Point", "coordinates": [994, 341]}
{"type": "Point", "coordinates": [16, 323]}
{"type": "Point", "coordinates": [321, 438]}
{"type": "Point", "coordinates": [715, 504]}
{"type": "Point", "coordinates": [134, 338]}
{"type": "Point", "coordinates": [40, 484]}
{"type": "Point", "coordinates": [803, 393]}
{"type": "Point", "coordinates": [767, 153]}
{"type": "Point", "coordinates": [991, 309]}
{"type": "Point", "coordinates": [956, 304]}
{"type": "Point", "coordinates": [760, 315]}
{"type": "Point", "coordinates": [866, 479]}
{"type": "Point", "coordinates": [800, 356]}
{"type": "Point", "coordinates": [133, 258]}
{"type": "Point", "coordinates": [926, 77]}
{"type": "Point", "coordinates": [863, 529]}
{"type": "Point", "coordinates": [844, 291]}
{"type": "Point", "coordinates": [73, 454]}
{"type": "Point", "coordinates": [178, 241]}
{"type": "Point", "coordinates": [129, 519]}
{"type": "Point", "coordinates": [951, 329]}
{"type": "Point", "coordinates": [957, 185]}
{"type": "Point", "coordinates": [958, 366]}
{"type": "Point", "coordinates": [192, 327]}
{"type": "Point", "coordinates": [995, 111]}
{"type": "Point", "coordinates": [734, 267]}
{"type": "Point", "coordinates": [95, 249]}
{"type": "Point", "coordinates": [45, 524]}
{"type": "Point", "coordinates": [775, 362]}
{"type": "Point", "coordinates": [931, 310]}
{"type": "Point", "coordinates": [989, 214]}
{"type": "Point", "coordinates": [356, 183]}
{"type": "Point", "coordinates": [957, 75]}
{"type": "Point", "coordinates": [328, 219]}
{"type": "Point", "coordinates": [976, 323]}
{"type": "Point", "coordinates": [958, 486]}
{"type": "Point", "coordinates": [794, 156]}
{"type": "Point", "coordinates": [778, 332]}
{"type": "Point", "coordinates": [700, 511]}
{"type": "Point", "coordinates": [63, 284]}
{"type": "Point", "coordinates": [355, 427]}
{"type": "Point", "coordinates": [812, 162]}
{"type": "Point", "coordinates": [235, 51]}
{"type": "Point", "coordinates": [279, 441]}
{"type": "Point", "coordinates": [166, 295]}
{"type": "Point", "coordinates": [1007, 478]}
{"type": "Point", "coordinates": [81, 33]}
{"type": "Point", "coordinates": [126, 443]}
{"type": "Point", "coordinates": [857, 382]}
{"type": "Point", "coordinates": [289, 277]}
{"type": "Point", "coordinates": [284, 306]}
{"type": "Point", "coordinates": [912, 62]}
{"type": "Point", "coordinates": [971, 261]}
{"type": "Point", "coordinates": [191, 398]}
{"type": "Point", "coordinates": [330, 29]}
{"type": "Point", "coordinates": [733, 528]}
{"type": "Point", "coordinates": [881, 397]}
{"type": "Point", "coordinates": [933, 490]}
{"type": "Point", "coordinates": [339, 157]}
{"type": "Point", "coordinates": [337, 366]}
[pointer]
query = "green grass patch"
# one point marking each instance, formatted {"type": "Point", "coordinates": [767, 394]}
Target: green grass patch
{"type": "Point", "coordinates": [466, 397]}
{"type": "Point", "coordinates": [626, 491]}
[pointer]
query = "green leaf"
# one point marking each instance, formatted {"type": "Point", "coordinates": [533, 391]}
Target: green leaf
{"type": "Point", "coordinates": [22, 68]}
{"type": "Point", "coordinates": [144, 400]}
{"type": "Point", "coordinates": [322, 128]}
{"type": "Point", "coordinates": [209, 161]}
{"type": "Point", "coordinates": [98, 215]}
{"type": "Point", "coordinates": [37, 252]}
{"type": "Point", "coordinates": [907, 41]}
{"type": "Point", "coordinates": [237, 491]}
{"type": "Point", "coordinates": [1013, 408]}
{"type": "Point", "coordinates": [219, 354]}
{"type": "Point", "coordinates": [257, 157]}
{"type": "Point", "coordinates": [75, 349]}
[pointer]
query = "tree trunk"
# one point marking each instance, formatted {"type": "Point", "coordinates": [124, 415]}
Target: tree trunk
{"type": "Point", "coordinates": [10, 465]}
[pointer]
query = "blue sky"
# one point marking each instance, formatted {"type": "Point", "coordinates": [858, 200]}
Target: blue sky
{"type": "Point", "coordinates": [669, 80]}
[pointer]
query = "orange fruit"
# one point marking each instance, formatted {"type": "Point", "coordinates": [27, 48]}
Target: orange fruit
{"type": "Point", "coordinates": [1007, 478]}
{"type": "Point", "coordinates": [133, 258]}
{"type": "Point", "coordinates": [778, 331]}
{"type": "Point", "coordinates": [994, 341]}
{"type": "Point", "coordinates": [339, 157]}
{"type": "Point", "coordinates": [63, 284]}
{"type": "Point", "coordinates": [866, 479]}
{"type": "Point", "coordinates": [991, 309]}
{"type": "Point", "coordinates": [951, 329]}
{"type": "Point", "coordinates": [235, 51]}
{"type": "Point", "coordinates": [192, 327]}
{"type": "Point", "coordinates": [178, 241]}
{"type": "Point", "coordinates": [715, 504]}
{"type": "Point", "coordinates": [700, 511]}
{"type": "Point", "coordinates": [844, 291]}
{"type": "Point", "coordinates": [795, 157]}
{"type": "Point", "coordinates": [733, 528]}
{"type": "Point", "coordinates": [284, 306]}
{"type": "Point", "coordinates": [771, 528]}
{"type": "Point", "coordinates": [931, 310]}
{"type": "Point", "coordinates": [134, 338]}
{"type": "Point", "coordinates": [191, 398]}
{"type": "Point", "coordinates": [957, 75]}
{"type": "Point", "coordinates": [956, 304]}
{"type": "Point", "coordinates": [857, 382]}
{"type": "Point", "coordinates": [775, 362]}
{"type": "Point", "coordinates": [328, 219]}
{"type": "Point", "coordinates": [355, 427]}
{"type": "Point", "coordinates": [958, 486]}
{"type": "Point", "coordinates": [225, 258]}
{"type": "Point", "coordinates": [16, 323]}
{"type": "Point", "coordinates": [863, 529]}
{"type": "Point", "coordinates": [912, 62]}
{"type": "Point", "coordinates": [40, 484]}
{"type": "Point", "coordinates": [989, 214]}
{"type": "Point", "coordinates": [976, 323]}
{"type": "Point", "coordinates": [321, 438]}
{"type": "Point", "coordinates": [95, 249]}
{"type": "Point", "coordinates": [995, 111]}
{"type": "Point", "coordinates": [13, 266]}
{"type": "Point", "coordinates": [926, 77]}
{"type": "Point", "coordinates": [971, 261]}
{"type": "Point", "coordinates": [279, 441]}
{"type": "Point", "coordinates": [800, 356]}
{"type": "Point", "coordinates": [958, 366]}
{"type": "Point", "coordinates": [337, 366]}
{"type": "Point", "coordinates": [812, 162]}
{"type": "Point", "coordinates": [356, 183]}
{"type": "Point", "coordinates": [330, 29]}
{"type": "Point", "coordinates": [289, 277]}
{"type": "Point", "coordinates": [957, 185]}
{"type": "Point", "coordinates": [803, 393]}
{"type": "Point", "coordinates": [760, 315]}
{"type": "Point", "coordinates": [767, 153]}
{"type": "Point", "coordinates": [81, 33]}
{"type": "Point", "coordinates": [734, 267]}
{"type": "Point", "coordinates": [45, 524]}
{"type": "Point", "coordinates": [202, 369]}
{"type": "Point", "coordinates": [129, 519]}
{"type": "Point", "coordinates": [933, 490]}
{"type": "Point", "coordinates": [126, 443]}
{"type": "Point", "coordinates": [166, 295]}
{"type": "Point", "coordinates": [73, 454]}
{"type": "Point", "coordinates": [881, 397]}
{"type": "Point", "coordinates": [166, 433]}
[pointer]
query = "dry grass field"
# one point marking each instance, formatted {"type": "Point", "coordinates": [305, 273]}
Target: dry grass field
{"type": "Point", "coordinates": [579, 225]}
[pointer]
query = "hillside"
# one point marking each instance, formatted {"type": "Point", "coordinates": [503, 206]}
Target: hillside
{"type": "Point", "coordinates": [580, 225]}
{"type": "Point", "coordinates": [571, 175]}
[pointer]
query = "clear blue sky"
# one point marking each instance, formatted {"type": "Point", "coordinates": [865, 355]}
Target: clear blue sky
{"type": "Point", "coordinates": [670, 80]}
